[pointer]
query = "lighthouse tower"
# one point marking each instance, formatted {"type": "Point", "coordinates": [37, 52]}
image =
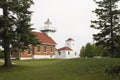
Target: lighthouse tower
{"type": "Point", "coordinates": [48, 28]}
{"type": "Point", "coordinates": [70, 43]}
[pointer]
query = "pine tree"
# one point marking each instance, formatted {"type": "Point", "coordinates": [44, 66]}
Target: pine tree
{"type": "Point", "coordinates": [88, 50]}
{"type": "Point", "coordinates": [82, 52]}
{"type": "Point", "coordinates": [108, 23]}
{"type": "Point", "coordinates": [15, 26]}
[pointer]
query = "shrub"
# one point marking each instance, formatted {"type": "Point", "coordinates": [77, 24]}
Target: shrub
{"type": "Point", "coordinates": [113, 71]}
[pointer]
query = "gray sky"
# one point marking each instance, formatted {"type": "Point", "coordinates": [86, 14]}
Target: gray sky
{"type": "Point", "coordinates": [70, 17]}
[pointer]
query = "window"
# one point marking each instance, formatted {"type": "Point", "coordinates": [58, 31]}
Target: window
{"type": "Point", "coordinates": [59, 53]}
{"type": "Point", "coordinates": [45, 49]}
{"type": "Point", "coordinates": [51, 49]}
{"type": "Point", "coordinates": [51, 56]}
{"type": "Point", "coordinates": [38, 48]}
{"type": "Point", "coordinates": [28, 50]}
{"type": "Point", "coordinates": [68, 52]}
{"type": "Point", "coordinates": [75, 53]}
{"type": "Point", "coordinates": [68, 44]}
{"type": "Point", "coordinates": [11, 53]}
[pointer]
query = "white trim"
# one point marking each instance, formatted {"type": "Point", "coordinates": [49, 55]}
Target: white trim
{"type": "Point", "coordinates": [26, 58]}
{"type": "Point", "coordinates": [43, 56]}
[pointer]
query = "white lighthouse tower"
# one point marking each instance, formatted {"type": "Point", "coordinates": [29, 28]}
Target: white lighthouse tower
{"type": "Point", "coordinates": [70, 43]}
{"type": "Point", "coordinates": [48, 28]}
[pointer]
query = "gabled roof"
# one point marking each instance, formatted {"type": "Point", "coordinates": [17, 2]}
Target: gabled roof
{"type": "Point", "coordinates": [65, 48]}
{"type": "Point", "coordinates": [70, 39]}
{"type": "Point", "coordinates": [44, 38]}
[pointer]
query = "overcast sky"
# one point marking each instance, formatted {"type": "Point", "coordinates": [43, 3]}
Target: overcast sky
{"type": "Point", "coordinates": [70, 17]}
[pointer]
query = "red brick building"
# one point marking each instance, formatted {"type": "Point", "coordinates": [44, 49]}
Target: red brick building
{"type": "Point", "coordinates": [46, 48]}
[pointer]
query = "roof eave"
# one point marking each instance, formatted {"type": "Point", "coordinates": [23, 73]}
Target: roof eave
{"type": "Point", "coordinates": [49, 44]}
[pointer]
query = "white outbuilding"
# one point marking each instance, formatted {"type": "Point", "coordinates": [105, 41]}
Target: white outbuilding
{"type": "Point", "coordinates": [68, 51]}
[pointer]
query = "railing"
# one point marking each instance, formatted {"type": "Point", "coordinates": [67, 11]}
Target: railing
{"type": "Point", "coordinates": [48, 28]}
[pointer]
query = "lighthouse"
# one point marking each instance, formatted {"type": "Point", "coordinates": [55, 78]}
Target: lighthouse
{"type": "Point", "coordinates": [70, 43]}
{"type": "Point", "coordinates": [48, 28]}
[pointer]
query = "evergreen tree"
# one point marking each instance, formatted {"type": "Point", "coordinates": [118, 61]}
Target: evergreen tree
{"type": "Point", "coordinates": [15, 25]}
{"type": "Point", "coordinates": [82, 52]}
{"type": "Point", "coordinates": [108, 23]}
{"type": "Point", "coordinates": [88, 50]}
{"type": "Point", "coordinates": [91, 50]}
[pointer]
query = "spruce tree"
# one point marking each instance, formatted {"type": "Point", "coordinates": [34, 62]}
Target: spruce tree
{"type": "Point", "coordinates": [108, 24]}
{"type": "Point", "coordinates": [15, 26]}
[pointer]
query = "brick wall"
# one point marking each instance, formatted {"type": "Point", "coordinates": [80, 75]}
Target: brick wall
{"type": "Point", "coordinates": [34, 51]}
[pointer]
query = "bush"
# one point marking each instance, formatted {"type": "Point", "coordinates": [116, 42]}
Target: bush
{"type": "Point", "coordinates": [113, 71]}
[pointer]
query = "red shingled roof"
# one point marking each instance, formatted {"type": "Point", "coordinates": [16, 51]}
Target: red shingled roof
{"type": "Point", "coordinates": [70, 39]}
{"type": "Point", "coordinates": [65, 48]}
{"type": "Point", "coordinates": [44, 38]}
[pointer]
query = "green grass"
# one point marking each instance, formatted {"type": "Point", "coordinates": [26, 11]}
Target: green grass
{"type": "Point", "coordinates": [59, 69]}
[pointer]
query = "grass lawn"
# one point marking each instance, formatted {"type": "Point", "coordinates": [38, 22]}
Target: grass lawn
{"type": "Point", "coordinates": [59, 69]}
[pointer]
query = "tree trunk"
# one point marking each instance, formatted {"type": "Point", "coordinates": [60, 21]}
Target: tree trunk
{"type": "Point", "coordinates": [6, 42]}
{"type": "Point", "coordinates": [111, 27]}
{"type": "Point", "coordinates": [7, 60]}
